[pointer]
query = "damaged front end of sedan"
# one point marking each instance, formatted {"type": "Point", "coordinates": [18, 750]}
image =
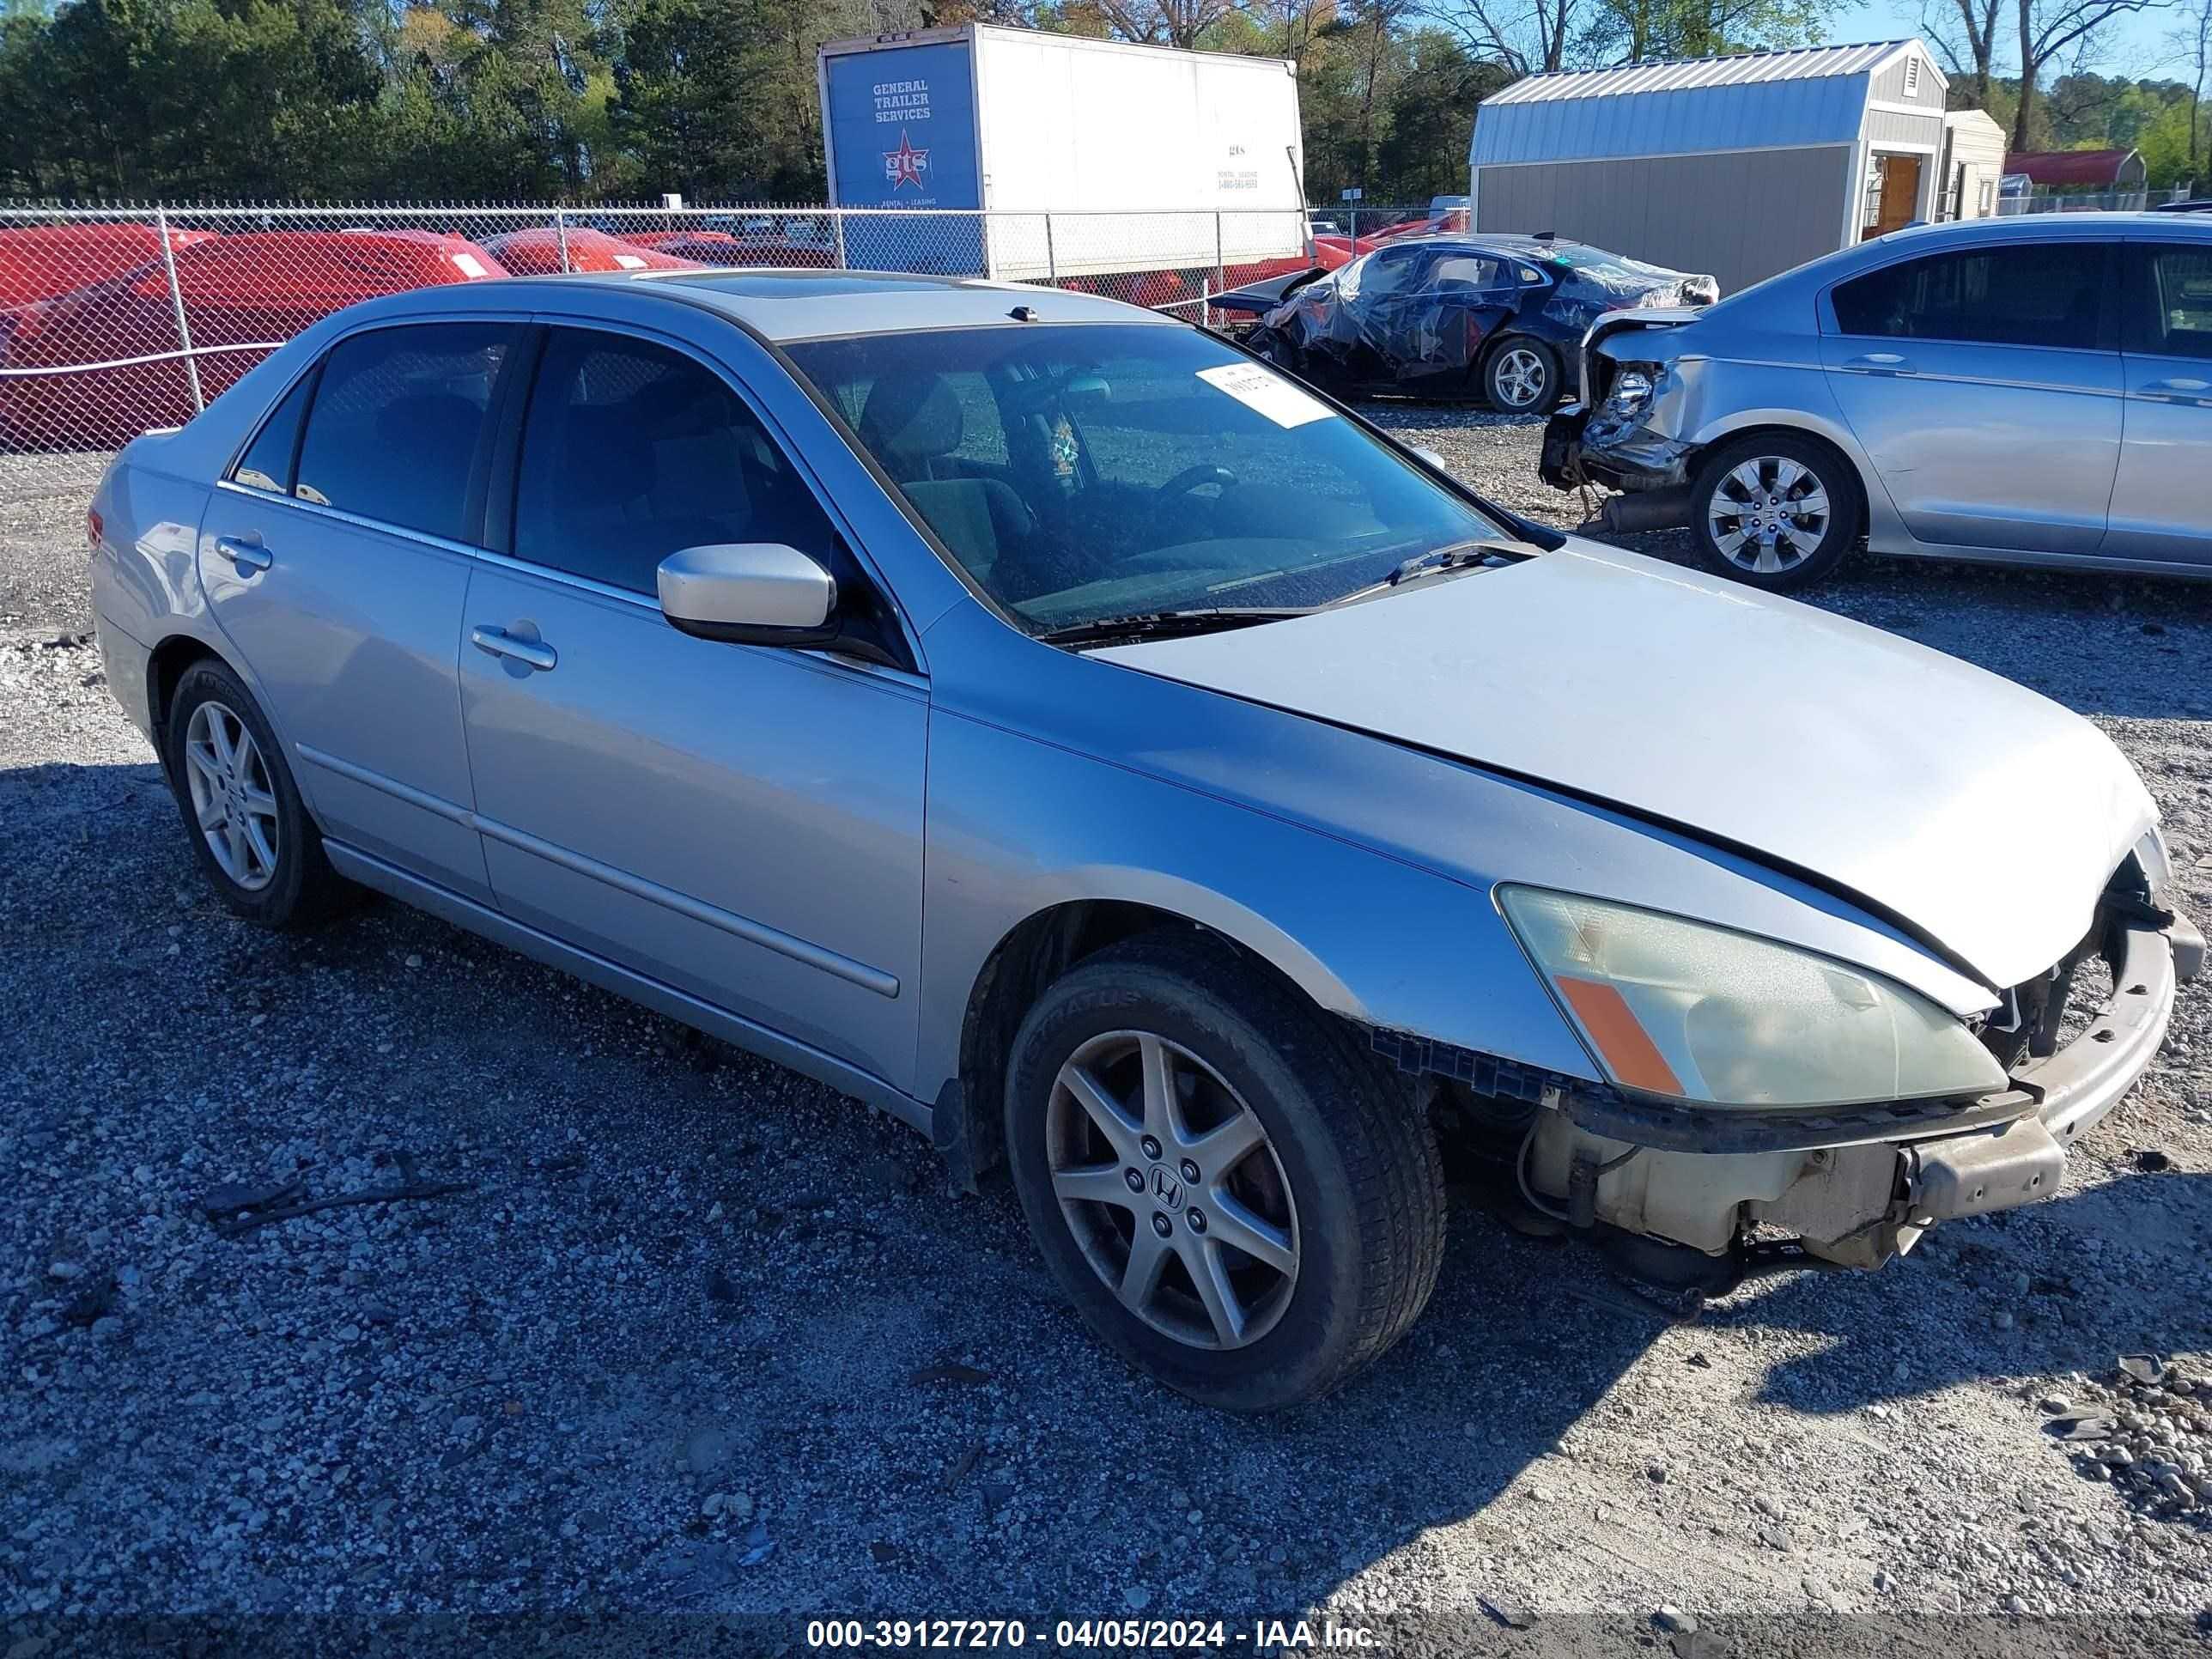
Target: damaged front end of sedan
{"type": "Point", "coordinates": [1707, 1157]}
{"type": "Point", "coordinates": [1625, 433]}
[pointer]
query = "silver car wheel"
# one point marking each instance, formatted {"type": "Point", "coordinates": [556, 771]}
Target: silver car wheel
{"type": "Point", "coordinates": [1520, 377]}
{"type": "Point", "coordinates": [232, 800]}
{"type": "Point", "coordinates": [1172, 1190]}
{"type": "Point", "coordinates": [1769, 515]}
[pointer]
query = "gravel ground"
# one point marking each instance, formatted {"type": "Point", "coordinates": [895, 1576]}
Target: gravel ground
{"type": "Point", "coordinates": [697, 1336]}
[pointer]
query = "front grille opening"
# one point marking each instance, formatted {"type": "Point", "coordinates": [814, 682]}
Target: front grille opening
{"type": "Point", "coordinates": [2043, 1014]}
{"type": "Point", "coordinates": [2093, 987]}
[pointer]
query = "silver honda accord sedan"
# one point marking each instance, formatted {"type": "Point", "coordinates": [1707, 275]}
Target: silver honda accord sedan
{"type": "Point", "coordinates": [1041, 720]}
{"type": "Point", "coordinates": [2030, 390]}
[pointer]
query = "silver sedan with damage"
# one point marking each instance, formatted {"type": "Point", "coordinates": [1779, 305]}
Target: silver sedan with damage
{"type": "Point", "coordinates": [2031, 390]}
{"type": "Point", "coordinates": [1045, 723]}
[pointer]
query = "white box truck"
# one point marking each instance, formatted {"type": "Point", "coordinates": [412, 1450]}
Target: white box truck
{"type": "Point", "coordinates": [1144, 158]}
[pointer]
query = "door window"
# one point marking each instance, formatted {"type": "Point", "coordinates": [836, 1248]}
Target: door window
{"type": "Point", "coordinates": [397, 417]}
{"type": "Point", "coordinates": [632, 452]}
{"type": "Point", "coordinates": [267, 462]}
{"type": "Point", "coordinates": [1379, 274]}
{"type": "Point", "coordinates": [2179, 301]}
{"type": "Point", "coordinates": [1467, 270]}
{"type": "Point", "coordinates": [2045, 294]}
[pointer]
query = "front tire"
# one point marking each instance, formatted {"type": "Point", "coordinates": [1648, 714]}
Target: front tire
{"type": "Point", "coordinates": [242, 812]}
{"type": "Point", "coordinates": [1775, 510]}
{"type": "Point", "coordinates": [1521, 376]}
{"type": "Point", "coordinates": [1216, 1176]}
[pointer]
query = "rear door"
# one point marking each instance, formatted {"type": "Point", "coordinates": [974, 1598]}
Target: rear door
{"type": "Point", "coordinates": [335, 557]}
{"type": "Point", "coordinates": [2162, 502]}
{"type": "Point", "coordinates": [1984, 383]}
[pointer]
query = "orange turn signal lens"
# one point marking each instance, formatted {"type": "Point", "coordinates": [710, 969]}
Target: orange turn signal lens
{"type": "Point", "coordinates": [1630, 1054]}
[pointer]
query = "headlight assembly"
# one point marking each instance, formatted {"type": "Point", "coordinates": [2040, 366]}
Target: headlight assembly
{"type": "Point", "coordinates": [1693, 1013]}
{"type": "Point", "coordinates": [1631, 391]}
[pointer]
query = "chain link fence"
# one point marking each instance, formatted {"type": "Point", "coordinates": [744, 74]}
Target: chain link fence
{"type": "Point", "coordinates": [113, 320]}
{"type": "Point", "coordinates": [2088, 201]}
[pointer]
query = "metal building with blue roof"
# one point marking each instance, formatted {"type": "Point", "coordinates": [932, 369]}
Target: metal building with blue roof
{"type": "Point", "coordinates": [1742, 166]}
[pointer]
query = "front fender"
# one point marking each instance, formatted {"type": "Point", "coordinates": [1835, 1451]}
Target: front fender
{"type": "Point", "coordinates": [1019, 826]}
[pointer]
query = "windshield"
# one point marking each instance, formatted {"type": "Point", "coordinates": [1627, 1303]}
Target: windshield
{"type": "Point", "coordinates": [1083, 472]}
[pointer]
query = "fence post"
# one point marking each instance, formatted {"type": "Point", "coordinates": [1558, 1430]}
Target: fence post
{"type": "Point", "coordinates": [1220, 272]}
{"type": "Point", "coordinates": [837, 234]}
{"type": "Point", "coordinates": [1051, 259]}
{"type": "Point", "coordinates": [560, 230]}
{"type": "Point", "coordinates": [177, 305]}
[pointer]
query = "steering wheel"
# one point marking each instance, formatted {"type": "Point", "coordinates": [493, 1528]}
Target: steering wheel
{"type": "Point", "coordinates": [1191, 477]}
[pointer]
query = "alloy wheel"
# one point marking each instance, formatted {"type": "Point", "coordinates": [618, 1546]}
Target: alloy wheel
{"type": "Point", "coordinates": [1769, 515]}
{"type": "Point", "coordinates": [233, 801]}
{"type": "Point", "coordinates": [1168, 1183]}
{"type": "Point", "coordinates": [1520, 377]}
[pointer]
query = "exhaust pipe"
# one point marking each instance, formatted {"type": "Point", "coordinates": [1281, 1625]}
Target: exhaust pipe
{"type": "Point", "coordinates": [1650, 509]}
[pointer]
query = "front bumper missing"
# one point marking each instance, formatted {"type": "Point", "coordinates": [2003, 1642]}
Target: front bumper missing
{"type": "Point", "coordinates": [1859, 1186]}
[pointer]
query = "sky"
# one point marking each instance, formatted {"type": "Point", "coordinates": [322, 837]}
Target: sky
{"type": "Point", "coordinates": [2135, 45]}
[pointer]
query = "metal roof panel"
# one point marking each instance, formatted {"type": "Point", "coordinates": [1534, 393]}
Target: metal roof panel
{"type": "Point", "coordinates": [1754, 100]}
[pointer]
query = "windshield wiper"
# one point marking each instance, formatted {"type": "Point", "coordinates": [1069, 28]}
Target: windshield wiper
{"type": "Point", "coordinates": [1443, 559]}
{"type": "Point", "coordinates": [1157, 624]}
{"type": "Point", "coordinates": [1489, 553]}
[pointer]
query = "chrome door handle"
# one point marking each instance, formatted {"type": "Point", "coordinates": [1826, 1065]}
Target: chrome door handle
{"type": "Point", "coordinates": [1879, 362]}
{"type": "Point", "coordinates": [498, 642]}
{"type": "Point", "coordinates": [245, 556]}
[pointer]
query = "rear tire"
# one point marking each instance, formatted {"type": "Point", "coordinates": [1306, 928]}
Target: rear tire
{"type": "Point", "coordinates": [1775, 510]}
{"type": "Point", "coordinates": [1334, 1180]}
{"type": "Point", "coordinates": [242, 812]}
{"type": "Point", "coordinates": [1521, 376]}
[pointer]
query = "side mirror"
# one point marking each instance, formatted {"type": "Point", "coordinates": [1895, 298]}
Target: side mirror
{"type": "Point", "coordinates": [1432, 458]}
{"type": "Point", "coordinates": [749, 593]}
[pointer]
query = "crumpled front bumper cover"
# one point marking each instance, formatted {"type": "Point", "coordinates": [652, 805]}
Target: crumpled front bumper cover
{"type": "Point", "coordinates": [1580, 448]}
{"type": "Point", "coordinates": [2021, 1160]}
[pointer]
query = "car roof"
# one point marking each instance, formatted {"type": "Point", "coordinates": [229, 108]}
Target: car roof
{"type": "Point", "coordinates": [2029, 226]}
{"type": "Point", "coordinates": [785, 305]}
{"type": "Point", "coordinates": [1519, 244]}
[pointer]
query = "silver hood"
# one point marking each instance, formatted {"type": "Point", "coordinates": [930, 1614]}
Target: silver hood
{"type": "Point", "coordinates": [1975, 813]}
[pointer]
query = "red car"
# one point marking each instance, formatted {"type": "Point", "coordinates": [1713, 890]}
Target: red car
{"type": "Point", "coordinates": [719, 247]}
{"type": "Point", "coordinates": [538, 251]}
{"type": "Point", "coordinates": [43, 262]}
{"type": "Point", "coordinates": [1331, 252]}
{"type": "Point", "coordinates": [1452, 221]}
{"type": "Point", "coordinates": [255, 289]}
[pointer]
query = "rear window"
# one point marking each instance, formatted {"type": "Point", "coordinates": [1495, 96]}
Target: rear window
{"type": "Point", "coordinates": [396, 423]}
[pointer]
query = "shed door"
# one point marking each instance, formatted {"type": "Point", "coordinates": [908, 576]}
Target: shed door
{"type": "Point", "coordinates": [1892, 194]}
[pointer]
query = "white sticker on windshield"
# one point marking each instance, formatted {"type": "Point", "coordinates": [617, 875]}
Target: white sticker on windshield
{"type": "Point", "coordinates": [471, 267]}
{"type": "Point", "coordinates": [1262, 389]}
{"type": "Point", "coordinates": [629, 262]}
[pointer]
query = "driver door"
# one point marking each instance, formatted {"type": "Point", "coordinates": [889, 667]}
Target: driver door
{"type": "Point", "coordinates": [739, 823]}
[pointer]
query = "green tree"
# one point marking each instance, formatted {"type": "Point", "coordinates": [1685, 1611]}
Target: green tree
{"type": "Point", "coordinates": [1431, 118]}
